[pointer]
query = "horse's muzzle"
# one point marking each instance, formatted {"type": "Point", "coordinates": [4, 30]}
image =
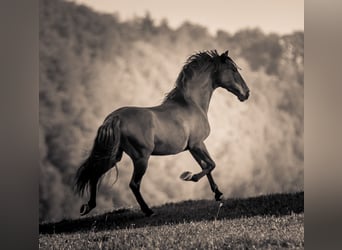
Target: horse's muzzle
{"type": "Point", "coordinates": [244, 97]}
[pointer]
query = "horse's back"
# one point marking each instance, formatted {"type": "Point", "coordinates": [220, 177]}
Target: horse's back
{"type": "Point", "coordinates": [131, 116]}
{"type": "Point", "coordinates": [135, 128]}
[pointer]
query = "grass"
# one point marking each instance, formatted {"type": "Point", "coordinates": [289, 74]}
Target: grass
{"type": "Point", "coordinates": [264, 222]}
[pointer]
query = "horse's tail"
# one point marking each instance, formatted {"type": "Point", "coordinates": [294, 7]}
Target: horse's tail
{"type": "Point", "coordinates": [102, 156]}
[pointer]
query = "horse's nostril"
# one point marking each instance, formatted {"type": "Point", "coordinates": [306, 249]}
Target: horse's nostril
{"type": "Point", "coordinates": [247, 94]}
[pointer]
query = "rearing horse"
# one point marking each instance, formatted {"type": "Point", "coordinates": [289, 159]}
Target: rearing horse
{"type": "Point", "coordinates": [180, 123]}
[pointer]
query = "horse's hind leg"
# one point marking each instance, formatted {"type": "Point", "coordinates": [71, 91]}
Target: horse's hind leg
{"type": "Point", "coordinates": [201, 155]}
{"type": "Point", "coordinates": [140, 166]}
{"type": "Point", "coordinates": [93, 183]}
{"type": "Point", "coordinates": [86, 208]}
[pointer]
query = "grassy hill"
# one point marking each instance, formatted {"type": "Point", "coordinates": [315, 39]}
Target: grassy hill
{"type": "Point", "coordinates": [270, 221]}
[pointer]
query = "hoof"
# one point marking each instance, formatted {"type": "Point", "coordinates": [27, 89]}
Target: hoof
{"type": "Point", "coordinates": [186, 176]}
{"type": "Point", "coordinates": [85, 208]}
{"type": "Point", "coordinates": [149, 213]}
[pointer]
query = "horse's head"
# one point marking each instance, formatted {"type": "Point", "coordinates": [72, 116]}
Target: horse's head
{"type": "Point", "coordinates": [228, 77]}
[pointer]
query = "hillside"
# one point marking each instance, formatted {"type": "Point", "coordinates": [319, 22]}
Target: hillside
{"type": "Point", "coordinates": [93, 63]}
{"type": "Point", "coordinates": [266, 221]}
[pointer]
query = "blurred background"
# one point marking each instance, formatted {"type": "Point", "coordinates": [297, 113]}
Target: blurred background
{"type": "Point", "coordinates": [95, 58]}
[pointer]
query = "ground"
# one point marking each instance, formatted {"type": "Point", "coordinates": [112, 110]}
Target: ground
{"type": "Point", "coordinates": [264, 222]}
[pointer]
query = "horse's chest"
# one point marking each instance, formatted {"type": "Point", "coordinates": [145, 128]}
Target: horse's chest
{"type": "Point", "coordinates": [199, 132]}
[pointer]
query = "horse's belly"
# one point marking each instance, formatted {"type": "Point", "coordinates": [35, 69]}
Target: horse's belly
{"type": "Point", "coordinates": [172, 144]}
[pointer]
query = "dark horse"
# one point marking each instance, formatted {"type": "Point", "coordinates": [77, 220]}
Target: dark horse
{"type": "Point", "coordinates": [180, 123]}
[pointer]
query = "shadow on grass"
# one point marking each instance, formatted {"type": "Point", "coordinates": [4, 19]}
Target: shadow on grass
{"type": "Point", "coordinates": [182, 212]}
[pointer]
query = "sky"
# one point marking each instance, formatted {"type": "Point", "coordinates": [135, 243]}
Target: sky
{"type": "Point", "coordinates": [280, 16]}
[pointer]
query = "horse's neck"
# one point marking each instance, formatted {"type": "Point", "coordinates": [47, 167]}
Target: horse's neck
{"type": "Point", "coordinates": [200, 92]}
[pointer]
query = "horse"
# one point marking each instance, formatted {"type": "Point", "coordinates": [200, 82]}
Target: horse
{"type": "Point", "coordinates": [178, 124]}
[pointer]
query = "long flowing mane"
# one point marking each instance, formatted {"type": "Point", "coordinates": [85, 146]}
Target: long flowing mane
{"type": "Point", "coordinates": [198, 61]}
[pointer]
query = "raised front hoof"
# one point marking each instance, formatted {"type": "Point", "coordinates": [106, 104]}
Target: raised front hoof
{"type": "Point", "coordinates": [219, 197]}
{"type": "Point", "coordinates": [149, 213]}
{"type": "Point", "coordinates": [186, 176]}
{"type": "Point", "coordinates": [85, 209]}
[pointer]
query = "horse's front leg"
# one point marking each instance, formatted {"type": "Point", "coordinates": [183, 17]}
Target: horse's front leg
{"type": "Point", "coordinates": [201, 155]}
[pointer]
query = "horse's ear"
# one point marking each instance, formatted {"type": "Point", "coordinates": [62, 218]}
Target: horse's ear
{"type": "Point", "coordinates": [225, 54]}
